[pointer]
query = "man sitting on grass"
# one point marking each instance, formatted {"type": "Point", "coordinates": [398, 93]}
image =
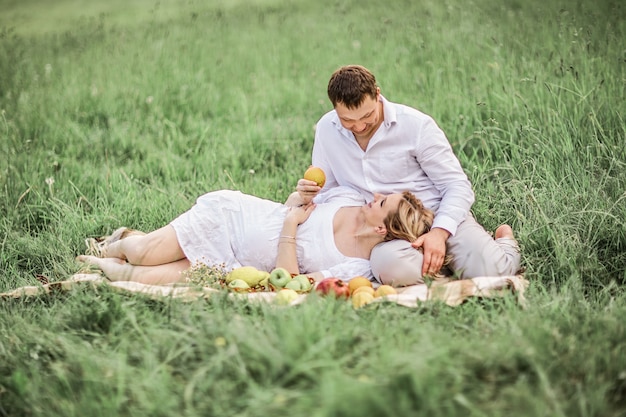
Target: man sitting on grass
{"type": "Point", "coordinates": [375, 146]}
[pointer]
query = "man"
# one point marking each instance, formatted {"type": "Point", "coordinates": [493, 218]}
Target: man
{"type": "Point", "coordinates": [375, 146]}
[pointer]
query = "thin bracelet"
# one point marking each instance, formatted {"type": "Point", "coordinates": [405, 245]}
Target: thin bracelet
{"type": "Point", "coordinates": [288, 237]}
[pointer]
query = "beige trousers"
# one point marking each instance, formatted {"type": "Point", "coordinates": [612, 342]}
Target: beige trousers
{"type": "Point", "coordinates": [473, 252]}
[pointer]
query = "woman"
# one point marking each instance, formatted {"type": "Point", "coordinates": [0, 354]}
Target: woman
{"type": "Point", "coordinates": [232, 229]}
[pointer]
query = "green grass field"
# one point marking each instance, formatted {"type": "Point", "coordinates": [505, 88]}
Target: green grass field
{"type": "Point", "coordinates": [122, 113]}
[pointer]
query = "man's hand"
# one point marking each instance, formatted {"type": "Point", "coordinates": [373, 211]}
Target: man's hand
{"type": "Point", "coordinates": [434, 246]}
{"type": "Point", "coordinates": [307, 190]}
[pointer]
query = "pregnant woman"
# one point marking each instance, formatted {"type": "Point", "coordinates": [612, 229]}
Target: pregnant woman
{"type": "Point", "coordinates": [233, 229]}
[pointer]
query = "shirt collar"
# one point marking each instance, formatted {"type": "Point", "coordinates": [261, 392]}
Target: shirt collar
{"type": "Point", "coordinates": [389, 112]}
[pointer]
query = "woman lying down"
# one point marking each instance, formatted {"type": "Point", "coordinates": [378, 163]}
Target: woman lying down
{"type": "Point", "coordinates": [234, 229]}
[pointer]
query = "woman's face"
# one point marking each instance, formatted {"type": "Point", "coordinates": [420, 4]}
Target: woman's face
{"type": "Point", "coordinates": [378, 209]}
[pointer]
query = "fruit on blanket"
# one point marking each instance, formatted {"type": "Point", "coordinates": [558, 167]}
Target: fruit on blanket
{"type": "Point", "coordinates": [249, 274]}
{"type": "Point", "coordinates": [365, 289]}
{"type": "Point", "coordinates": [362, 298]}
{"type": "Point", "coordinates": [315, 174]}
{"type": "Point", "coordinates": [305, 282]}
{"type": "Point", "coordinates": [279, 277]}
{"type": "Point", "coordinates": [285, 296]}
{"type": "Point", "coordinates": [384, 290]}
{"type": "Point", "coordinates": [238, 285]}
{"type": "Point", "coordinates": [333, 286]}
{"type": "Point", "coordinates": [357, 282]}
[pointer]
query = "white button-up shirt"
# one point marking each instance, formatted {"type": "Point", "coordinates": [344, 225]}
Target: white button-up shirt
{"type": "Point", "coordinates": [407, 152]}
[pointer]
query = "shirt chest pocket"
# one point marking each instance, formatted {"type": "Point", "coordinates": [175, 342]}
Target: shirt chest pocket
{"type": "Point", "coordinates": [393, 166]}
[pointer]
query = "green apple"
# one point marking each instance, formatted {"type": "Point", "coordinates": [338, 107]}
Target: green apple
{"type": "Point", "coordinates": [305, 282]}
{"type": "Point", "coordinates": [238, 285]}
{"type": "Point", "coordinates": [294, 285]}
{"type": "Point", "coordinates": [279, 277]}
{"type": "Point", "coordinates": [285, 296]}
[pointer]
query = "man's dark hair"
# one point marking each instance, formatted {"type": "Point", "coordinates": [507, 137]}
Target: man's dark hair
{"type": "Point", "coordinates": [350, 85]}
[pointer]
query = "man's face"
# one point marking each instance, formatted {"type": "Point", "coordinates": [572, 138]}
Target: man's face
{"type": "Point", "coordinates": [363, 120]}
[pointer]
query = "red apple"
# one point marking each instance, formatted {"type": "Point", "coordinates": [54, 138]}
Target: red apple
{"type": "Point", "coordinates": [333, 286]}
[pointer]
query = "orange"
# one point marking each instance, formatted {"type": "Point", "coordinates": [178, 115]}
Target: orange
{"type": "Point", "coordinates": [357, 282]}
{"type": "Point", "coordinates": [384, 290]}
{"type": "Point", "coordinates": [315, 174]}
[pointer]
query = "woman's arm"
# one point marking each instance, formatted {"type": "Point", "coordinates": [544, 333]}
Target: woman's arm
{"type": "Point", "coordinates": [294, 200]}
{"type": "Point", "coordinates": [287, 257]}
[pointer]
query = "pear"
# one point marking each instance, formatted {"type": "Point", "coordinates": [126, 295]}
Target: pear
{"type": "Point", "coordinates": [265, 278]}
{"type": "Point", "coordinates": [265, 282]}
{"type": "Point", "coordinates": [249, 274]}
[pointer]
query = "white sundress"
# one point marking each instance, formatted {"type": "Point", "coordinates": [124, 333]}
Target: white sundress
{"type": "Point", "coordinates": [235, 229]}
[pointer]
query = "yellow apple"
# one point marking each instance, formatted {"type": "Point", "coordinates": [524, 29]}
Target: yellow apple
{"type": "Point", "coordinates": [315, 174]}
{"type": "Point", "coordinates": [361, 299]}
{"type": "Point", "coordinates": [384, 290]}
{"type": "Point", "coordinates": [365, 289]}
{"type": "Point", "coordinates": [357, 282]}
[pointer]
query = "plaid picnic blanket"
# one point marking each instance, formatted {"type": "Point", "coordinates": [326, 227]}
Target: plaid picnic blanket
{"type": "Point", "coordinates": [451, 292]}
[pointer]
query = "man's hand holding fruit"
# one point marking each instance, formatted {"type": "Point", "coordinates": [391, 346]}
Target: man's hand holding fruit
{"type": "Point", "coordinates": [312, 182]}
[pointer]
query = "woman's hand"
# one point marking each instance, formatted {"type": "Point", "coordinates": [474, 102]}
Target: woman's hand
{"type": "Point", "coordinates": [300, 214]}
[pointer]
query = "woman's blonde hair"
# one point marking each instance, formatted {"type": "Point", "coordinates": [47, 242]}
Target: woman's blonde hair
{"type": "Point", "coordinates": [410, 221]}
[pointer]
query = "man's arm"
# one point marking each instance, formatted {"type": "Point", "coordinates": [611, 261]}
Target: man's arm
{"type": "Point", "coordinates": [318, 158]}
{"type": "Point", "coordinates": [443, 168]}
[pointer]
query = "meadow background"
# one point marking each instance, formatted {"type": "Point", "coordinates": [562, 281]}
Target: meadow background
{"type": "Point", "coordinates": [123, 112]}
